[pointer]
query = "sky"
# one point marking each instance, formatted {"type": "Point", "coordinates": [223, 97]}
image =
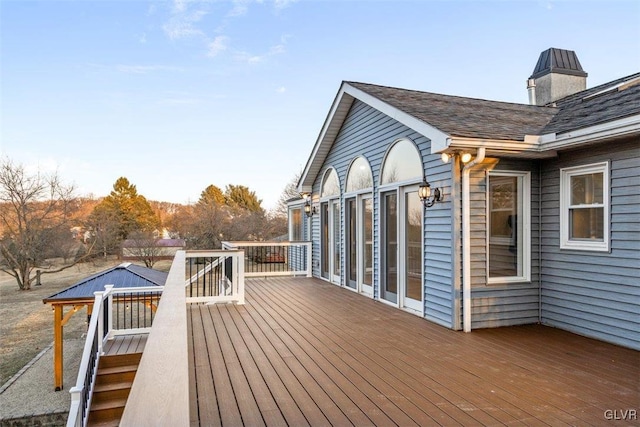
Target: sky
{"type": "Point", "coordinates": [178, 95]}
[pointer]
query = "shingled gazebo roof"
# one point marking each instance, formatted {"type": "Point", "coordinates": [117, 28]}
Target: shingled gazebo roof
{"type": "Point", "coordinates": [125, 275]}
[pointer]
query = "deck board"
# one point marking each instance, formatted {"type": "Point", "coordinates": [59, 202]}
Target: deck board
{"type": "Point", "coordinates": [305, 352]}
{"type": "Point", "coordinates": [125, 344]}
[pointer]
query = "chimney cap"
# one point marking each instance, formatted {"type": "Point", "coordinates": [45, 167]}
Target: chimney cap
{"type": "Point", "coordinates": [560, 61]}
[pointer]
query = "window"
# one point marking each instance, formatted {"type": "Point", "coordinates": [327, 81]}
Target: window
{"type": "Point", "coordinates": [296, 233]}
{"type": "Point", "coordinates": [509, 239]}
{"type": "Point", "coordinates": [330, 184]}
{"type": "Point", "coordinates": [359, 177]}
{"type": "Point", "coordinates": [403, 163]}
{"type": "Point", "coordinates": [584, 207]}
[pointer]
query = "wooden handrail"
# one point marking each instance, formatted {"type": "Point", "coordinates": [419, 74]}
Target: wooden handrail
{"type": "Point", "coordinates": [160, 392]}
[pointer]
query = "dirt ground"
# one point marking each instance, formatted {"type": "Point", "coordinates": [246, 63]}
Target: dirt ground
{"type": "Point", "coordinates": [26, 324]}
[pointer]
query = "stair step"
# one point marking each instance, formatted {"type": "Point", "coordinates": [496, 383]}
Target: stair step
{"type": "Point", "coordinates": [106, 423]}
{"type": "Point", "coordinates": [108, 411]}
{"type": "Point", "coordinates": [108, 405]}
{"type": "Point", "coordinates": [120, 360]}
{"type": "Point", "coordinates": [116, 374]}
{"type": "Point", "coordinates": [115, 390]}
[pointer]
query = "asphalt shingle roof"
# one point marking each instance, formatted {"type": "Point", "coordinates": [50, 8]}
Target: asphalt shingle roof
{"type": "Point", "coordinates": [465, 117]}
{"type": "Point", "coordinates": [588, 108]}
{"type": "Point", "coordinates": [125, 275]}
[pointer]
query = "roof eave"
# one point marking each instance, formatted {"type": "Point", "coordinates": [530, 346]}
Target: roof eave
{"type": "Point", "coordinates": [627, 126]}
{"type": "Point", "coordinates": [528, 148]}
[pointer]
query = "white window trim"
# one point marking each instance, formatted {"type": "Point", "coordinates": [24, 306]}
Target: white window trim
{"type": "Point", "coordinates": [300, 207]}
{"type": "Point", "coordinates": [525, 192]}
{"type": "Point", "coordinates": [565, 197]}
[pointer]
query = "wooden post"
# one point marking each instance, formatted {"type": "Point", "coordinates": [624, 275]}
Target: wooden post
{"type": "Point", "coordinates": [57, 345]}
{"type": "Point", "coordinates": [38, 274]}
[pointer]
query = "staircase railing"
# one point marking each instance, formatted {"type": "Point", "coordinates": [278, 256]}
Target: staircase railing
{"type": "Point", "coordinates": [116, 311]}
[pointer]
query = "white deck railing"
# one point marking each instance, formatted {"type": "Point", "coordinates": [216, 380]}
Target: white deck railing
{"type": "Point", "coordinates": [264, 259]}
{"type": "Point", "coordinates": [105, 323]}
{"type": "Point", "coordinates": [214, 276]}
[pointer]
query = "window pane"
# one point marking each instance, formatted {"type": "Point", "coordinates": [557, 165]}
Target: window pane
{"type": "Point", "coordinates": [359, 175]}
{"type": "Point", "coordinates": [330, 185]}
{"type": "Point", "coordinates": [402, 163]}
{"type": "Point", "coordinates": [586, 189]}
{"type": "Point", "coordinates": [368, 243]}
{"type": "Point", "coordinates": [413, 240]}
{"type": "Point", "coordinates": [586, 224]}
{"type": "Point", "coordinates": [296, 224]}
{"type": "Point", "coordinates": [506, 231]}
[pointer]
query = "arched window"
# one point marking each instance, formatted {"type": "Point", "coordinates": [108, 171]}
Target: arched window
{"type": "Point", "coordinates": [330, 184]}
{"type": "Point", "coordinates": [359, 177]}
{"type": "Point", "coordinates": [402, 163]}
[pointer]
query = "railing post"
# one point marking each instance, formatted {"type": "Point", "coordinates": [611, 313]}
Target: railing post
{"type": "Point", "coordinates": [239, 258]}
{"type": "Point", "coordinates": [75, 418]}
{"type": "Point", "coordinates": [98, 307]}
{"type": "Point", "coordinates": [308, 248]}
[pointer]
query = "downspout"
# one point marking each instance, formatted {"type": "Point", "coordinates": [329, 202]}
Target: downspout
{"type": "Point", "coordinates": [466, 239]}
{"type": "Point", "coordinates": [539, 241]}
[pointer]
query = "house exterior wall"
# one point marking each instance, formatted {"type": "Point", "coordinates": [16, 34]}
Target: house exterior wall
{"type": "Point", "coordinates": [505, 304]}
{"type": "Point", "coordinates": [596, 294]}
{"type": "Point", "coordinates": [369, 133]}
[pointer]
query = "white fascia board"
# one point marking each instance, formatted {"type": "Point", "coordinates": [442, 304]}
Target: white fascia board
{"type": "Point", "coordinates": [618, 128]}
{"type": "Point", "coordinates": [336, 116]}
{"type": "Point", "coordinates": [439, 139]}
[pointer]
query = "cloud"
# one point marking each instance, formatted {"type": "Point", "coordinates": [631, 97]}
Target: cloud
{"type": "Point", "coordinates": [143, 38]}
{"type": "Point", "coordinates": [144, 69]}
{"type": "Point", "coordinates": [219, 44]}
{"type": "Point", "coordinates": [240, 7]}
{"type": "Point", "coordinates": [281, 89]}
{"type": "Point", "coordinates": [257, 58]}
{"type": "Point", "coordinates": [182, 23]}
{"type": "Point", "coordinates": [281, 4]}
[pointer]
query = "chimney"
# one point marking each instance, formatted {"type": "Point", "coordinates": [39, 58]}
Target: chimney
{"type": "Point", "coordinates": [558, 74]}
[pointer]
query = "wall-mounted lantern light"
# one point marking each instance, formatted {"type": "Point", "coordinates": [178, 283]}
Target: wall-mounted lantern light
{"type": "Point", "coordinates": [424, 192]}
{"type": "Point", "coordinates": [308, 209]}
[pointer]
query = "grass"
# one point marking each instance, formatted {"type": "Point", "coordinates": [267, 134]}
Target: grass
{"type": "Point", "coordinates": [26, 327]}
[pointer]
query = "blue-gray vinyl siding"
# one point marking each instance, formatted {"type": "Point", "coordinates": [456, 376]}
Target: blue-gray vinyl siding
{"type": "Point", "coordinates": [508, 304]}
{"type": "Point", "coordinates": [596, 294]}
{"type": "Point", "coordinates": [369, 133]}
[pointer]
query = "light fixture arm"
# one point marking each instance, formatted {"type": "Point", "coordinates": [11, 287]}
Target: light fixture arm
{"type": "Point", "coordinates": [428, 196]}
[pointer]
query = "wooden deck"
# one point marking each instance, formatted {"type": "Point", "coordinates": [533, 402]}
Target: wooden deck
{"type": "Point", "coordinates": [304, 352]}
{"type": "Point", "coordinates": [125, 344]}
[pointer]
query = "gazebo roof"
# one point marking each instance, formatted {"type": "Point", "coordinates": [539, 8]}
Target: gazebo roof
{"type": "Point", "coordinates": [125, 275]}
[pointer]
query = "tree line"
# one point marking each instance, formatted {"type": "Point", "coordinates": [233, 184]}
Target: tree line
{"type": "Point", "coordinates": [42, 219]}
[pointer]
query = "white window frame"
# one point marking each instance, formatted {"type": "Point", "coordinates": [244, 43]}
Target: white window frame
{"type": "Point", "coordinates": [524, 192]}
{"type": "Point", "coordinates": [299, 208]}
{"type": "Point", "coordinates": [565, 206]}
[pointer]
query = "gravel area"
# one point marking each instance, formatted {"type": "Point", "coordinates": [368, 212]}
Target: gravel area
{"type": "Point", "coordinates": [31, 391]}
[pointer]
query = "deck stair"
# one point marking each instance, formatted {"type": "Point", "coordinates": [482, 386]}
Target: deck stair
{"type": "Point", "coordinates": [113, 384]}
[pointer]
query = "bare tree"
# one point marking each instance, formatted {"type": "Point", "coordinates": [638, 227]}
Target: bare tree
{"type": "Point", "coordinates": [36, 213]}
{"type": "Point", "coordinates": [289, 192]}
{"type": "Point", "coordinates": [144, 246]}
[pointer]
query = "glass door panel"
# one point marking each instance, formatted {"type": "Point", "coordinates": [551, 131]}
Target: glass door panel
{"type": "Point", "coordinates": [335, 235]}
{"type": "Point", "coordinates": [324, 240]}
{"type": "Point", "coordinates": [389, 240]}
{"type": "Point", "coordinates": [351, 257]}
{"type": "Point", "coordinates": [412, 251]}
{"type": "Point", "coordinates": [367, 243]}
